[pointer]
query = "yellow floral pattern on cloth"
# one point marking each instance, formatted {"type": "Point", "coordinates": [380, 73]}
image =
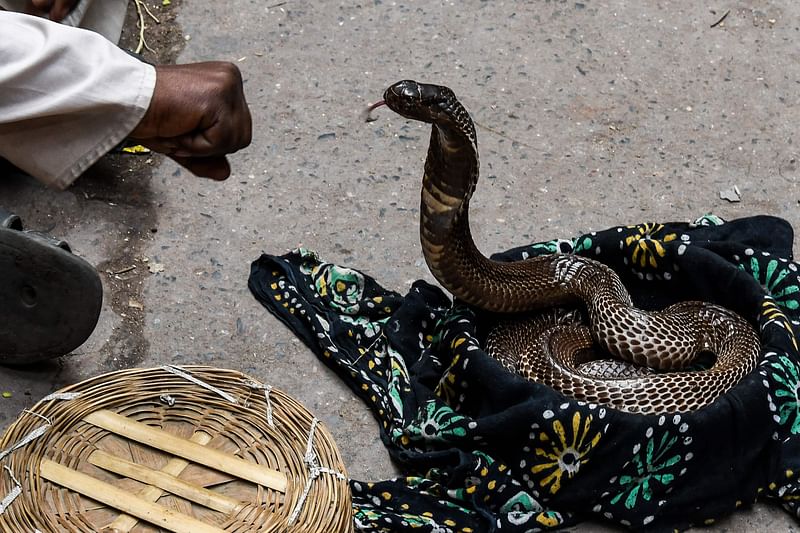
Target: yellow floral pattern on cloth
{"type": "Point", "coordinates": [773, 314]}
{"type": "Point", "coordinates": [648, 244]}
{"type": "Point", "coordinates": [559, 450]}
{"type": "Point", "coordinates": [449, 387]}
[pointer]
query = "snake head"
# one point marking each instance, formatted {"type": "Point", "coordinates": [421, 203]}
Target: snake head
{"type": "Point", "coordinates": [434, 104]}
{"type": "Point", "coordinates": [421, 101]}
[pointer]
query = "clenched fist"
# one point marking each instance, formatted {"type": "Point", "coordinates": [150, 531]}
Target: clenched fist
{"type": "Point", "coordinates": [197, 115]}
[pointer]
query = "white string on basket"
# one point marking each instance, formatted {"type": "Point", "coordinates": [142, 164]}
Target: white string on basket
{"type": "Point", "coordinates": [187, 376]}
{"type": "Point", "coordinates": [61, 396]}
{"type": "Point", "coordinates": [167, 399]}
{"type": "Point", "coordinates": [33, 435]}
{"type": "Point", "coordinates": [11, 496]}
{"type": "Point", "coordinates": [314, 470]}
{"type": "Point", "coordinates": [47, 421]}
{"type": "Point", "coordinates": [27, 439]}
{"type": "Point", "coordinates": [267, 389]}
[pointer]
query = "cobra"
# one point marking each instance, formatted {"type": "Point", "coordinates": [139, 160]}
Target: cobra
{"type": "Point", "coordinates": [550, 348]}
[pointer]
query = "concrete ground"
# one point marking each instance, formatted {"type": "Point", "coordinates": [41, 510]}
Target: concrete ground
{"type": "Point", "coordinates": [591, 114]}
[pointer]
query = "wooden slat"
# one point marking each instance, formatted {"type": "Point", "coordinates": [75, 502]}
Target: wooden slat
{"type": "Point", "coordinates": [123, 500]}
{"type": "Point", "coordinates": [166, 482]}
{"type": "Point", "coordinates": [166, 442]}
{"type": "Point", "coordinates": [175, 466]}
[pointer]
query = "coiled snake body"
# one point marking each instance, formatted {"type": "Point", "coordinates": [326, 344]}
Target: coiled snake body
{"type": "Point", "coordinates": [548, 349]}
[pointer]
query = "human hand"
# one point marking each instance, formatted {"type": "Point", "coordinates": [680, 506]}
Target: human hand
{"type": "Point", "coordinates": [56, 10]}
{"type": "Point", "coordinates": [197, 115]}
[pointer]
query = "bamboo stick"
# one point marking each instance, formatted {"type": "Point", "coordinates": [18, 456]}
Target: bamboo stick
{"type": "Point", "coordinates": [124, 523]}
{"type": "Point", "coordinates": [124, 501]}
{"type": "Point", "coordinates": [164, 481]}
{"type": "Point", "coordinates": [191, 451]}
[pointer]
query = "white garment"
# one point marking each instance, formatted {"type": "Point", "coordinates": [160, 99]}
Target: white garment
{"type": "Point", "coordinates": [106, 17]}
{"type": "Point", "coordinates": [67, 97]}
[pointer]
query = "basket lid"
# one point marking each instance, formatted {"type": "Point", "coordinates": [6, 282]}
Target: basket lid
{"type": "Point", "coordinates": [196, 449]}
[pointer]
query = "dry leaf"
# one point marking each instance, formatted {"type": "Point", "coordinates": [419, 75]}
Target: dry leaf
{"type": "Point", "coordinates": [138, 149]}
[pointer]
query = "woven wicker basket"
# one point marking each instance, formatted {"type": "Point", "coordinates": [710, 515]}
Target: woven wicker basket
{"type": "Point", "coordinates": [217, 441]}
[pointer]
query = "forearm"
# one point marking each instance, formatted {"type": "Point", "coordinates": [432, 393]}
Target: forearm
{"type": "Point", "coordinates": [67, 96]}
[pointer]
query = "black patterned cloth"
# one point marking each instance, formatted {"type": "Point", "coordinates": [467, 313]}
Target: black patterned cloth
{"type": "Point", "coordinates": [482, 449]}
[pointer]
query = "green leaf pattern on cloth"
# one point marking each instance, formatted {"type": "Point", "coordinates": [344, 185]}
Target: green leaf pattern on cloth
{"type": "Point", "coordinates": [779, 277]}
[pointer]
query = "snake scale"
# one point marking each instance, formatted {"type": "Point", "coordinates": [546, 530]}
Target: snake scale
{"type": "Point", "coordinates": [551, 348]}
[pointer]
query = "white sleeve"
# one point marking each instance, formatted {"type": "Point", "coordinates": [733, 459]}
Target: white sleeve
{"type": "Point", "coordinates": [67, 97]}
